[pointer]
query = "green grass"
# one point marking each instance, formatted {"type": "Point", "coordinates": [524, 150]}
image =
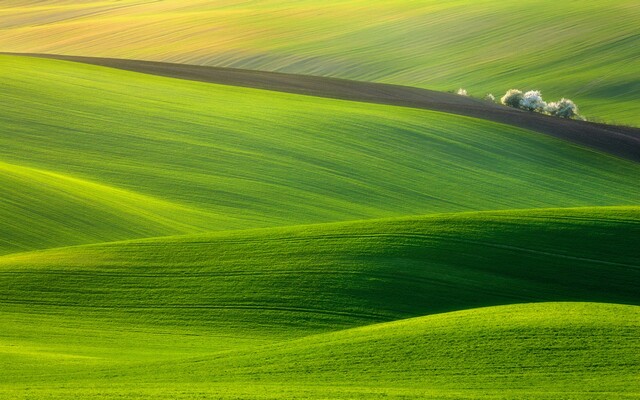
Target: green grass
{"type": "Point", "coordinates": [342, 275]}
{"type": "Point", "coordinates": [585, 51]}
{"type": "Point", "coordinates": [217, 313]}
{"type": "Point", "coordinates": [47, 209]}
{"type": "Point", "coordinates": [149, 156]}
{"type": "Point", "coordinates": [548, 350]}
{"type": "Point", "coordinates": [180, 240]}
{"type": "Point", "coordinates": [532, 351]}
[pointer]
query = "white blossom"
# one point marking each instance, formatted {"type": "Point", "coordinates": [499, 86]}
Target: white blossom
{"type": "Point", "coordinates": [564, 108]}
{"type": "Point", "coordinates": [532, 101]}
{"type": "Point", "coordinates": [512, 98]}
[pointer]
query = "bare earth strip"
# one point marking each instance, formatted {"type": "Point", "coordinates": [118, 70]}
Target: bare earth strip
{"type": "Point", "coordinates": [618, 140]}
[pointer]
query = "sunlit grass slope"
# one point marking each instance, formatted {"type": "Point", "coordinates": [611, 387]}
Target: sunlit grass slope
{"type": "Point", "coordinates": [287, 282]}
{"type": "Point", "coordinates": [586, 51]}
{"type": "Point", "coordinates": [531, 351]}
{"type": "Point", "coordinates": [262, 313]}
{"type": "Point", "coordinates": [44, 209]}
{"type": "Point", "coordinates": [217, 157]}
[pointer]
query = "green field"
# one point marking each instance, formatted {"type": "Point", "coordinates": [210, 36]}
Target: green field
{"type": "Point", "coordinates": [585, 51]}
{"type": "Point", "coordinates": [152, 156]}
{"type": "Point", "coordinates": [272, 306]}
{"type": "Point", "coordinates": [171, 239]}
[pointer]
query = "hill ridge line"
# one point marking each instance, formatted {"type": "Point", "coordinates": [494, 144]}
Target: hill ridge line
{"type": "Point", "coordinates": [620, 141]}
{"type": "Point", "coordinates": [67, 177]}
{"type": "Point", "coordinates": [243, 234]}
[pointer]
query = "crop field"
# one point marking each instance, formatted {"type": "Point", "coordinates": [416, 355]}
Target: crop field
{"type": "Point", "coordinates": [185, 157]}
{"type": "Point", "coordinates": [179, 232]}
{"type": "Point", "coordinates": [312, 304]}
{"type": "Point", "coordinates": [587, 52]}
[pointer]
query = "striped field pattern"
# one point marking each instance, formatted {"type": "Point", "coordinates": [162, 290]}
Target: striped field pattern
{"type": "Point", "coordinates": [586, 51]}
{"type": "Point", "coordinates": [171, 239]}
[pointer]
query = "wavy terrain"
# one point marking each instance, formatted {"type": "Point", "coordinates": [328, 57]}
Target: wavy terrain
{"type": "Point", "coordinates": [234, 301]}
{"type": "Point", "coordinates": [342, 275]}
{"type": "Point", "coordinates": [533, 351]}
{"type": "Point", "coordinates": [45, 209]}
{"type": "Point", "coordinates": [237, 234]}
{"type": "Point", "coordinates": [622, 141]}
{"type": "Point", "coordinates": [215, 157]}
{"type": "Point", "coordinates": [587, 52]}
{"type": "Point", "coordinates": [521, 351]}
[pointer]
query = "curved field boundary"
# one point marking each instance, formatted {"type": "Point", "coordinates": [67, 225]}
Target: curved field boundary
{"type": "Point", "coordinates": [318, 278]}
{"type": "Point", "coordinates": [617, 140]}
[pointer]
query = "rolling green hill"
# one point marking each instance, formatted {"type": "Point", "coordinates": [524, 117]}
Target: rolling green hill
{"type": "Point", "coordinates": [149, 156]}
{"type": "Point", "coordinates": [532, 351]}
{"type": "Point", "coordinates": [171, 239]}
{"type": "Point", "coordinates": [216, 313]}
{"type": "Point", "coordinates": [44, 209]}
{"type": "Point", "coordinates": [342, 275]}
{"type": "Point", "coordinates": [585, 51]}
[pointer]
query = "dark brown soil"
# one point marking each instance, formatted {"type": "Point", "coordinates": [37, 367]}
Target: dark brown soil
{"type": "Point", "coordinates": [618, 140]}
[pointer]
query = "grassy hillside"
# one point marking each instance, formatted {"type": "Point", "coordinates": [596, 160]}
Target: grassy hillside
{"type": "Point", "coordinates": [324, 277]}
{"type": "Point", "coordinates": [140, 311]}
{"type": "Point", "coordinates": [43, 209]}
{"type": "Point", "coordinates": [215, 314]}
{"type": "Point", "coordinates": [172, 239]}
{"type": "Point", "coordinates": [533, 351]}
{"type": "Point", "coordinates": [585, 51]}
{"type": "Point", "coordinates": [152, 156]}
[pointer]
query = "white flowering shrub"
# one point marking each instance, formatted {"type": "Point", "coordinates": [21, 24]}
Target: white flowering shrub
{"type": "Point", "coordinates": [552, 108]}
{"type": "Point", "coordinates": [532, 101]}
{"type": "Point", "coordinates": [564, 108]}
{"type": "Point", "coordinates": [461, 92]}
{"type": "Point", "coordinates": [512, 98]}
{"type": "Point", "coordinates": [490, 97]}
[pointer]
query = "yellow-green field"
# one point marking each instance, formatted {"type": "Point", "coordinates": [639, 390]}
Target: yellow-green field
{"type": "Point", "coordinates": [586, 51]}
{"type": "Point", "coordinates": [150, 156]}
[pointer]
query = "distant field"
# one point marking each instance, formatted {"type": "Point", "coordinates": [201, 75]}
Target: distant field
{"type": "Point", "coordinates": [117, 155]}
{"type": "Point", "coordinates": [587, 51]}
{"type": "Point", "coordinates": [263, 313]}
{"type": "Point", "coordinates": [622, 141]}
